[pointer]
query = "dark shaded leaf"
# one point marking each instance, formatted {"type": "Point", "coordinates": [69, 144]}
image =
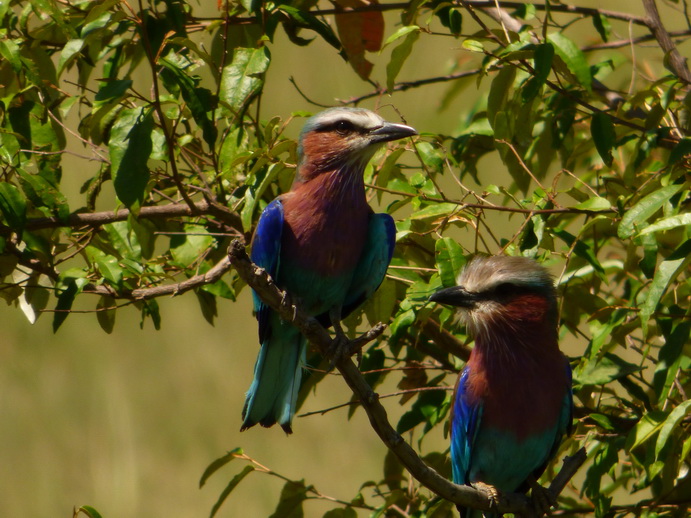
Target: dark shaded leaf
{"type": "Point", "coordinates": [604, 136]}
{"type": "Point", "coordinates": [229, 489]}
{"type": "Point", "coordinates": [544, 54]}
{"type": "Point", "coordinates": [13, 207]}
{"type": "Point", "coordinates": [130, 146]}
{"type": "Point", "coordinates": [294, 493]}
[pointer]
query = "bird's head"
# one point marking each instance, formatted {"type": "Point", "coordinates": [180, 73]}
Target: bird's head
{"type": "Point", "coordinates": [344, 138]}
{"type": "Point", "coordinates": [503, 293]}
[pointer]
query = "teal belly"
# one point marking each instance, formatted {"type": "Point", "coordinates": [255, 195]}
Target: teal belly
{"type": "Point", "coordinates": [501, 460]}
{"type": "Point", "coordinates": [315, 292]}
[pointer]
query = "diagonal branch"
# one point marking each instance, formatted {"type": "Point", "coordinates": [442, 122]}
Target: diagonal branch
{"type": "Point", "coordinates": [466, 496]}
{"type": "Point", "coordinates": [677, 63]}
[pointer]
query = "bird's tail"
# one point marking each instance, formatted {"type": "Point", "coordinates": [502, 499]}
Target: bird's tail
{"type": "Point", "coordinates": [277, 375]}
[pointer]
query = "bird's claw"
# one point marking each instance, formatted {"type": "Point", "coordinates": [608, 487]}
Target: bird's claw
{"type": "Point", "coordinates": [542, 498]}
{"type": "Point", "coordinates": [490, 491]}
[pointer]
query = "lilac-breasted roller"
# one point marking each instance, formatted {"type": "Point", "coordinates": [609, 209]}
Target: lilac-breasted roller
{"type": "Point", "coordinates": [512, 403]}
{"type": "Point", "coordinates": [323, 244]}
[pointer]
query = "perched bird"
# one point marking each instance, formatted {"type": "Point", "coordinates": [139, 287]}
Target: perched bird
{"type": "Point", "coordinates": [323, 244]}
{"type": "Point", "coordinates": [513, 402]}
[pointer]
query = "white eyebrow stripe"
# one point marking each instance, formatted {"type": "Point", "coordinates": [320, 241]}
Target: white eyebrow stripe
{"type": "Point", "coordinates": [363, 119]}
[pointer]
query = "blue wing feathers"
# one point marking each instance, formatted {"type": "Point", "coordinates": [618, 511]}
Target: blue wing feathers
{"type": "Point", "coordinates": [465, 421]}
{"type": "Point", "coordinates": [266, 251]}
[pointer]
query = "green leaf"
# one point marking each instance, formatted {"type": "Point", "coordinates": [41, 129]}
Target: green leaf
{"type": "Point", "coordinates": [399, 55]}
{"type": "Point", "coordinates": [111, 91]}
{"type": "Point", "coordinates": [69, 51]}
{"type": "Point", "coordinates": [668, 270]}
{"type": "Point", "coordinates": [72, 286]}
{"type": "Point", "coordinates": [130, 146]}
{"type": "Point", "coordinates": [9, 50]}
{"type": "Point", "coordinates": [602, 25]}
{"type": "Point", "coordinates": [648, 425]}
{"type": "Point", "coordinates": [596, 203]}
{"type": "Point", "coordinates": [544, 54]}
{"type": "Point", "coordinates": [89, 511]}
{"type": "Point", "coordinates": [679, 220]}
{"type": "Point", "coordinates": [229, 488]}
{"type": "Point", "coordinates": [290, 504]}
{"type": "Point", "coordinates": [600, 372]}
{"type": "Point", "coordinates": [637, 216]}
{"type": "Point", "coordinates": [187, 249]}
{"type": "Point", "coordinates": [105, 313]}
{"type": "Point", "coordinates": [435, 210]}
{"type": "Point", "coordinates": [401, 33]}
{"type": "Point", "coordinates": [124, 240]}
{"type": "Point", "coordinates": [218, 464]}
{"type": "Point", "coordinates": [308, 21]}
{"type": "Point", "coordinates": [449, 260]}
{"type": "Point", "coordinates": [431, 156]}
{"type": "Point", "coordinates": [243, 78]}
{"type": "Point", "coordinates": [42, 193]}
{"type": "Point", "coordinates": [604, 136]}
{"type": "Point", "coordinates": [670, 423]}
{"type": "Point", "coordinates": [499, 93]}
{"type": "Point", "coordinates": [13, 207]}
{"type": "Point", "coordinates": [681, 150]}
{"type": "Point", "coordinates": [198, 100]}
{"type": "Point", "coordinates": [574, 58]}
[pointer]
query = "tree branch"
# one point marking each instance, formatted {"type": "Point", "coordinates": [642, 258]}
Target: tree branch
{"type": "Point", "coordinates": [211, 276]}
{"type": "Point", "coordinates": [263, 285]}
{"type": "Point", "coordinates": [677, 63]}
{"type": "Point", "coordinates": [95, 219]}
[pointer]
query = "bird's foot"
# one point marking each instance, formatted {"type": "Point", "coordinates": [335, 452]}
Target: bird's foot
{"type": "Point", "coordinates": [491, 492]}
{"type": "Point", "coordinates": [287, 302]}
{"type": "Point", "coordinates": [542, 498]}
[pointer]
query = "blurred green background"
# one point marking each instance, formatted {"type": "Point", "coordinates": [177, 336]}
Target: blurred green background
{"type": "Point", "coordinates": [128, 422]}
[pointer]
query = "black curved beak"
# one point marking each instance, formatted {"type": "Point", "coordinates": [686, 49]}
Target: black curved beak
{"type": "Point", "coordinates": [390, 131]}
{"type": "Point", "coordinates": [455, 296]}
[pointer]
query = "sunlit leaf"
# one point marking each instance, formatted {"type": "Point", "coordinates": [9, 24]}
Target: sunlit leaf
{"type": "Point", "coordinates": [400, 54]}
{"type": "Point", "coordinates": [574, 58]}
{"type": "Point", "coordinates": [449, 260]}
{"type": "Point", "coordinates": [667, 271]}
{"type": "Point", "coordinates": [636, 217]}
{"type": "Point", "coordinates": [678, 220]}
{"type": "Point", "coordinates": [243, 78]}
{"type": "Point", "coordinates": [676, 415]}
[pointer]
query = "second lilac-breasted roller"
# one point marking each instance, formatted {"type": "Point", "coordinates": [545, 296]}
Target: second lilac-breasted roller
{"type": "Point", "coordinates": [323, 244]}
{"type": "Point", "coordinates": [512, 403]}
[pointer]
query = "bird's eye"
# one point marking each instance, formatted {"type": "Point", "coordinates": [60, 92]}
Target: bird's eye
{"type": "Point", "coordinates": [505, 289]}
{"type": "Point", "coordinates": [344, 127]}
